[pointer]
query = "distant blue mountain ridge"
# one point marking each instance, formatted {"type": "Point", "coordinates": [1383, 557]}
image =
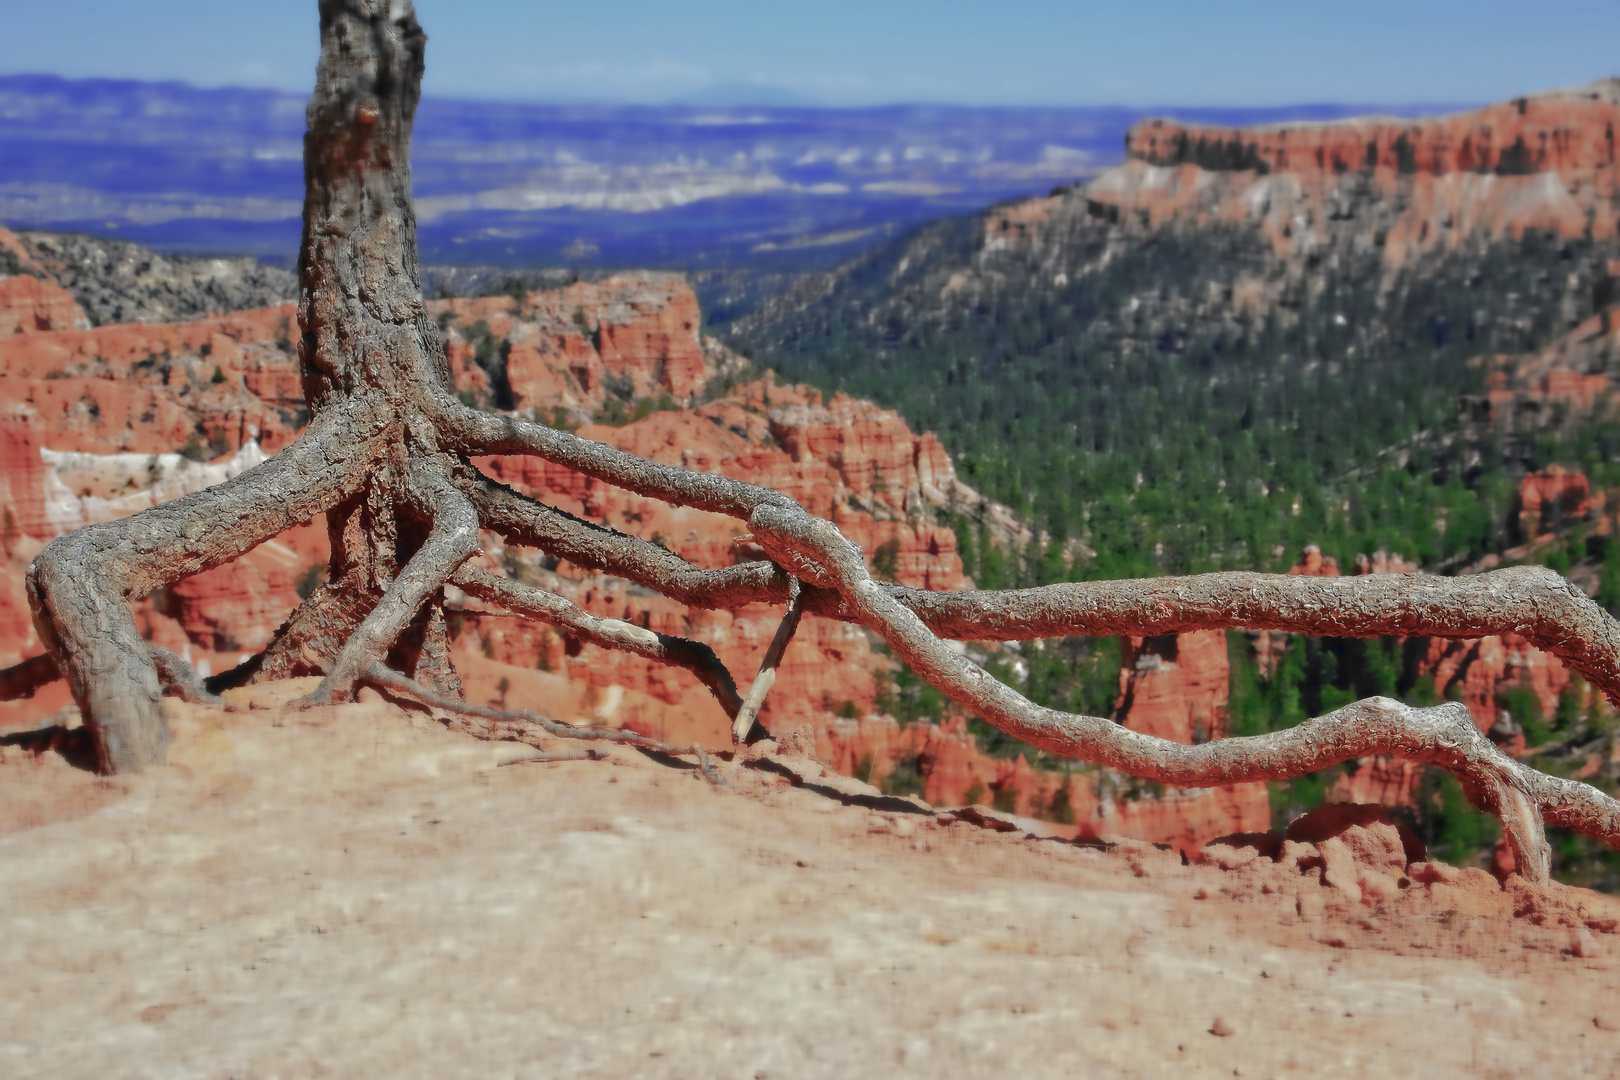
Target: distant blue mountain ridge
{"type": "Point", "coordinates": [219, 171]}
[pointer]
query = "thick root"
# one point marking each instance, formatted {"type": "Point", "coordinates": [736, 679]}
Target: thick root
{"type": "Point", "coordinates": [1444, 735]}
{"type": "Point", "coordinates": [453, 541]}
{"type": "Point", "coordinates": [81, 586]}
{"type": "Point", "coordinates": [534, 524]}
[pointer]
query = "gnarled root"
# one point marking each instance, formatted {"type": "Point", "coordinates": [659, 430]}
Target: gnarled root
{"type": "Point", "coordinates": [1444, 735]}
{"type": "Point", "coordinates": [453, 541]}
{"type": "Point", "coordinates": [81, 586]}
{"type": "Point", "coordinates": [179, 676]}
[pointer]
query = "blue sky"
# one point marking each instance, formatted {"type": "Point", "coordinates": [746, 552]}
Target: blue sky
{"type": "Point", "coordinates": [867, 52]}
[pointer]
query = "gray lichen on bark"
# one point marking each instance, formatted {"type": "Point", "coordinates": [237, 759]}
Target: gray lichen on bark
{"type": "Point", "coordinates": [387, 458]}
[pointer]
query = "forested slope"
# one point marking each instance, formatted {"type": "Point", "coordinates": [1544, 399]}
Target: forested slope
{"type": "Point", "coordinates": [1189, 368]}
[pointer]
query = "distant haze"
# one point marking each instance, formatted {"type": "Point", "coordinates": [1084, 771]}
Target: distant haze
{"type": "Point", "coordinates": [681, 187]}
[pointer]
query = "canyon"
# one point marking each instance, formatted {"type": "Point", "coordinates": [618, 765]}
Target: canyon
{"type": "Point", "coordinates": [1398, 314]}
{"type": "Point", "coordinates": [103, 421]}
{"type": "Point", "coordinates": [104, 417]}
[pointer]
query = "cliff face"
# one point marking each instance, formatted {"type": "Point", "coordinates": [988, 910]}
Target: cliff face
{"type": "Point", "coordinates": [1564, 131]}
{"type": "Point", "coordinates": [571, 352]}
{"type": "Point", "coordinates": [29, 304]}
{"type": "Point", "coordinates": [1543, 162]}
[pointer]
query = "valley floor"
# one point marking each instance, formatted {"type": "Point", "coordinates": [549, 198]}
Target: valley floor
{"type": "Point", "coordinates": [357, 891]}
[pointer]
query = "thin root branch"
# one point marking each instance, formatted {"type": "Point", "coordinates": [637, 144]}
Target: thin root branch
{"type": "Point", "coordinates": [548, 607]}
{"type": "Point", "coordinates": [742, 726]}
{"type": "Point", "coordinates": [177, 674]}
{"type": "Point", "coordinates": [544, 757]}
{"type": "Point", "coordinates": [509, 723]}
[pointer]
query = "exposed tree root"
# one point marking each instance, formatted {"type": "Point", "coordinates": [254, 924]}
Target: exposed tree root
{"type": "Point", "coordinates": [181, 678]}
{"type": "Point", "coordinates": [81, 586]}
{"type": "Point", "coordinates": [747, 716]}
{"type": "Point", "coordinates": [562, 755]}
{"type": "Point", "coordinates": [387, 458]}
{"type": "Point", "coordinates": [453, 541]}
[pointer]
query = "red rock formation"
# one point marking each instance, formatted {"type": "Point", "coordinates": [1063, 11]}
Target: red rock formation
{"type": "Point", "coordinates": [1384, 781]}
{"type": "Point", "coordinates": [1565, 131]}
{"type": "Point", "coordinates": [733, 436]}
{"type": "Point", "coordinates": [147, 387]}
{"type": "Point", "coordinates": [630, 336]}
{"type": "Point", "coordinates": [1545, 162]}
{"type": "Point", "coordinates": [1175, 687]}
{"type": "Point", "coordinates": [239, 606]}
{"type": "Point", "coordinates": [29, 304]}
{"type": "Point", "coordinates": [1552, 497]}
{"type": "Point", "coordinates": [1382, 562]}
{"type": "Point", "coordinates": [1312, 563]}
{"type": "Point", "coordinates": [1479, 670]}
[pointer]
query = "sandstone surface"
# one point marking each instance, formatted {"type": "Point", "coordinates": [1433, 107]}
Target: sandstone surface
{"type": "Point", "coordinates": [354, 891]}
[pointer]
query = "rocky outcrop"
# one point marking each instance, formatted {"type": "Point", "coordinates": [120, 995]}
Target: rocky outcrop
{"type": "Point", "coordinates": [237, 608]}
{"type": "Point", "coordinates": [1175, 687]}
{"type": "Point", "coordinates": [890, 515]}
{"type": "Point", "coordinates": [29, 304]}
{"type": "Point", "coordinates": [1545, 162]}
{"type": "Point", "coordinates": [157, 387]}
{"type": "Point", "coordinates": [1479, 671]}
{"type": "Point", "coordinates": [1384, 562]}
{"type": "Point", "coordinates": [1567, 131]}
{"type": "Point", "coordinates": [1319, 197]}
{"type": "Point", "coordinates": [1551, 499]}
{"type": "Point", "coordinates": [119, 282]}
{"type": "Point", "coordinates": [626, 338]}
{"type": "Point", "coordinates": [1312, 563]}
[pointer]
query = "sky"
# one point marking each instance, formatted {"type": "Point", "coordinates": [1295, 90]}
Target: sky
{"type": "Point", "coordinates": [869, 52]}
